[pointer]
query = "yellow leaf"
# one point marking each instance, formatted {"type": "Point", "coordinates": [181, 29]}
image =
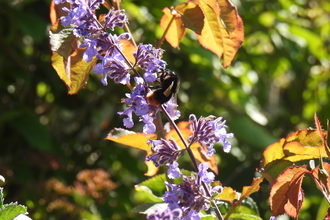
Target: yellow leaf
{"type": "Point", "coordinates": [58, 64]}
{"type": "Point", "coordinates": [79, 70]}
{"type": "Point", "coordinates": [135, 140]}
{"type": "Point", "coordinates": [191, 15]}
{"type": "Point", "coordinates": [210, 37]}
{"type": "Point", "coordinates": [228, 194]}
{"type": "Point", "coordinates": [173, 27]}
{"type": "Point", "coordinates": [222, 37]}
{"type": "Point", "coordinates": [131, 139]}
{"type": "Point", "coordinates": [152, 170]}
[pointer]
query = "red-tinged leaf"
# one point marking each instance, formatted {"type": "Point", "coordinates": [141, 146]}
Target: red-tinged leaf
{"type": "Point", "coordinates": [173, 26]}
{"type": "Point", "coordinates": [228, 15]}
{"type": "Point", "coordinates": [255, 186]}
{"type": "Point", "coordinates": [79, 70]}
{"type": "Point", "coordinates": [232, 42]}
{"type": "Point", "coordinates": [327, 138]}
{"type": "Point", "coordinates": [320, 178]}
{"type": "Point", "coordinates": [128, 49]}
{"type": "Point", "coordinates": [321, 134]}
{"type": "Point", "coordinates": [301, 145]}
{"type": "Point", "coordinates": [131, 139]}
{"type": "Point", "coordinates": [215, 36]}
{"type": "Point", "coordinates": [295, 195]}
{"type": "Point", "coordinates": [279, 196]}
{"type": "Point", "coordinates": [191, 15]}
{"type": "Point", "coordinates": [211, 36]}
{"type": "Point", "coordinates": [274, 169]}
{"type": "Point", "coordinates": [228, 194]}
{"type": "Point", "coordinates": [328, 214]}
{"type": "Point", "coordinates": [62, 40]}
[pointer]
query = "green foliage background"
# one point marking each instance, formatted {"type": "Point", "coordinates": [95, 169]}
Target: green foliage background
{"type": "Point", "coordinates": [278, 80]}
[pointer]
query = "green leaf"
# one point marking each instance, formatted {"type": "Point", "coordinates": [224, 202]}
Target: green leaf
{"type": "Point", "coordinates": [240, 216]}
{"type": "Point", "coordinates": [10, 211]}
{"type": "Point", "coordinates": [149, 208]}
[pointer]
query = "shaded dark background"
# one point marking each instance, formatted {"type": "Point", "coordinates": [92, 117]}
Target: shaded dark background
{"type": "Point", "coordinates": [53, 153]}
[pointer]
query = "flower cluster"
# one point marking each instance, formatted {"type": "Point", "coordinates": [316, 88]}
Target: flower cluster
{"type": "Point", "coordinates": [208, 131]}
{"type": "Point", "coordinates": [187, 199]}
{"type": "Point", "coordinates": [166, 151]}
{"type": "Point", "coordinates": [107, 48]}
{"type": "Point", "coordinates": [190, 197]}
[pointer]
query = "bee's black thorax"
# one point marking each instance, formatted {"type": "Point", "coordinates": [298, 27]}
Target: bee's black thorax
{"type": "Point", "coordinates": [169, 83]}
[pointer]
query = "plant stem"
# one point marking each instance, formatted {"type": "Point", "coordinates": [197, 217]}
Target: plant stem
{"type": "Point", "coordinates": [192, 157]}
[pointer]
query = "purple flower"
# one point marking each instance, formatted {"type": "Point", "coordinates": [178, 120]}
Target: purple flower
{"type": "Point", "coordinates": [173, 172]}
{"type": "Point", "coordinates": [136, 101]}
{"type": "Point", "coordinates": [115, 18]}
{"type": "Point", "coordinates": [166, 214]}
{"type": "Point", "coordinates": [208, 131]}
{"type": "Point", "coordinates": [192, 215]}
{"type": "Point", "coordinates": [187, 195]}
{"type": "Point", "coordinates": [171, 108]}
{"type": "Point", "coordinates": [205, 176]}
{"type": "Point", "coordinates": [164, 151]}
{"type": "Point", "coordinates": [149, 59]}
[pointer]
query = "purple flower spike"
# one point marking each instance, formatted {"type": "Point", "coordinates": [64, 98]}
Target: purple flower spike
{"type": "Point", "coordinates": [164, 151]}
{"type": "Point", "coordinates": [166, 214]}
{"type": "Point", "coordinates": [149, 59]}
{"type": "Point", "coordinates": [208, 131]}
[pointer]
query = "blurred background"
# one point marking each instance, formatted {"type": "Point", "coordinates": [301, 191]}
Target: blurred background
{"type": "Point", "coordinates": [53, 153]}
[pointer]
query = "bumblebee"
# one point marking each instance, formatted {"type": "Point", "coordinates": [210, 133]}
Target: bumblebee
{"type": "Point", "coordinates": [169, 83]}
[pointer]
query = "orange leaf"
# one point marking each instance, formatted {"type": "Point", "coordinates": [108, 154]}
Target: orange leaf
{"type": "Point", "coordinates": [191, 15]}
{"type": "Point", "coordinates": [152, 170]}
{"type": "Point", "coordinates": [255, 186]}
{"type": "Point", "coordinates": [301, 145]}
{"type": "Point", "coordinates": [228, 194]}
{"type": "Point", "coordinates": [321, 134]}
{"type": "Point", "coordinates": [232, 42]}
{"type": "Point", "coordinates": [135, 140]}
{"type": "Point", "coordinates": [211, 36]}
{"type": "Point", "coordinates": [295, 195]}
{"type": "Point", "coordinates": [319, 177]}
{"type": "Point", "coordinates": [228, 15]}
{"type": "Point", "coordinates": [56, 11]}
{"type": "Point", "coordinates": [131, 139]}
{"type": "Point", "coordinates": [284, 194]}
{"type": "Point", "coordinates": [128, 49]}
{"type": "Point", "coordinates": [215, 36]}
{"type": "Point", "coordinates": [173, 27]}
